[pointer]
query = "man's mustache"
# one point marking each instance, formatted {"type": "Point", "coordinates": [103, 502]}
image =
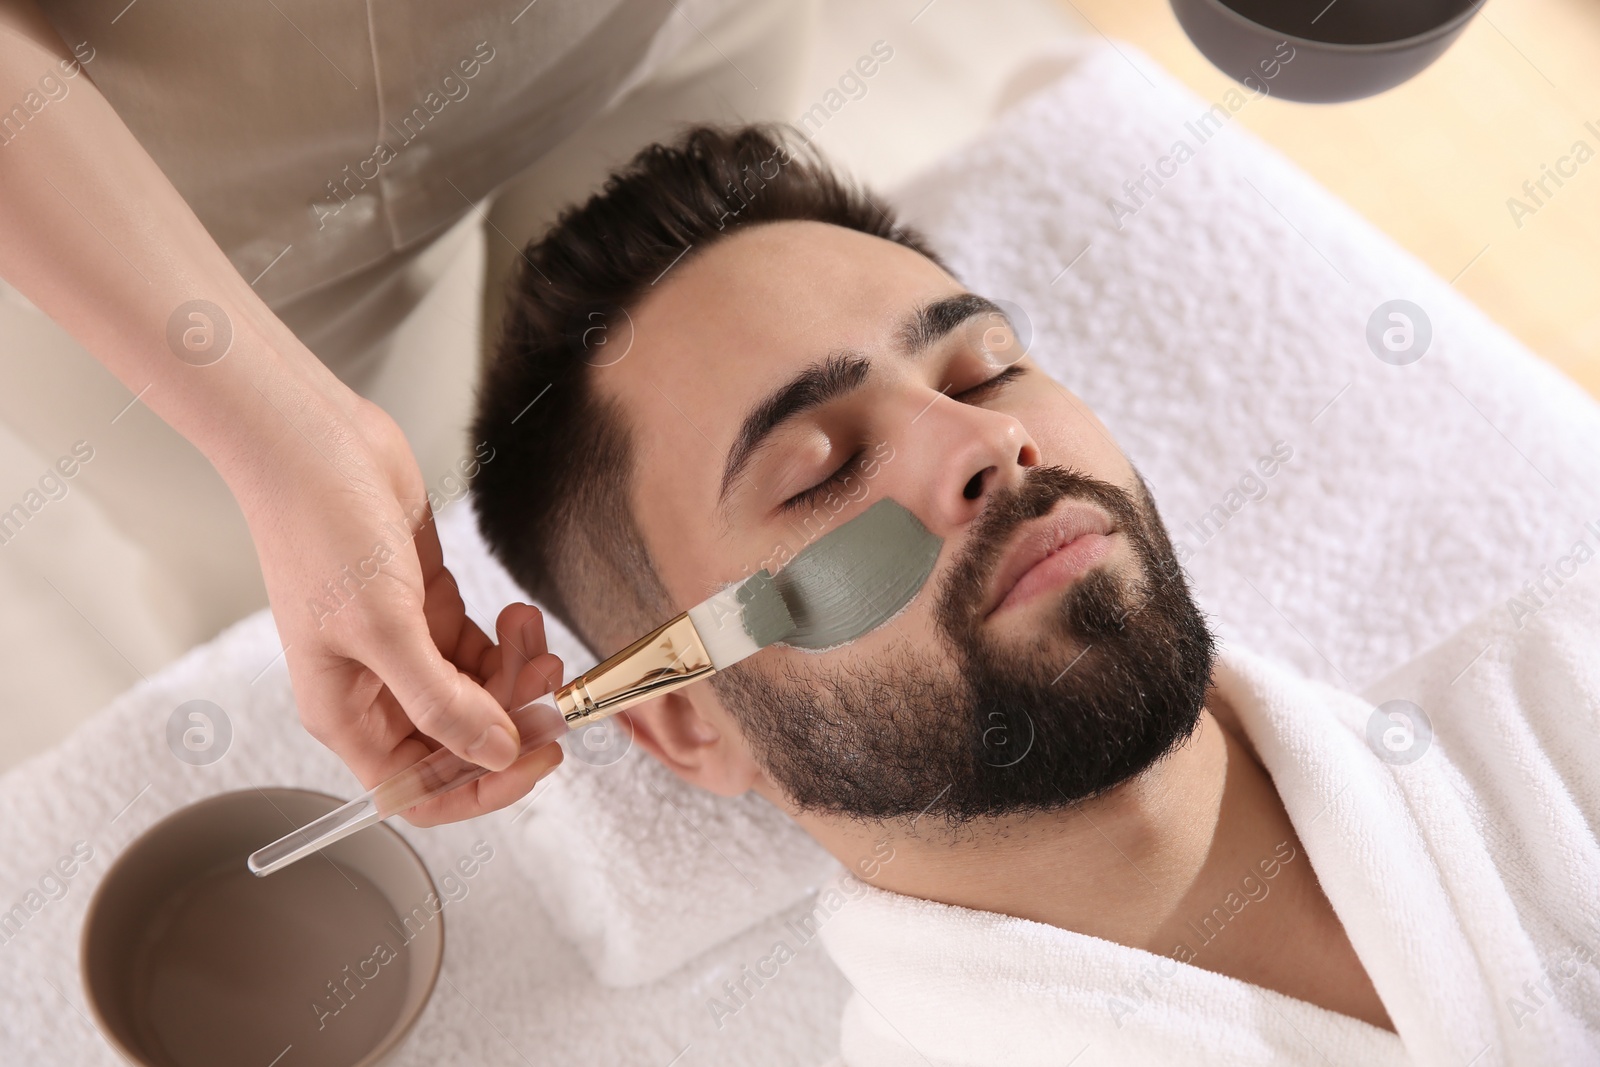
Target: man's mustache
{"type": "Point", "coordinates": [1042, 489]}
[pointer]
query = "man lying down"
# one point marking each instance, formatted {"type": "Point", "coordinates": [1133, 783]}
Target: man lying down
{"type": "Point", "coordinates": [1073, 831]}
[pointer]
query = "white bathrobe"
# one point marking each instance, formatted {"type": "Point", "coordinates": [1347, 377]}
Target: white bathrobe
{"type": "Point", "coordinates": [1468, 880]}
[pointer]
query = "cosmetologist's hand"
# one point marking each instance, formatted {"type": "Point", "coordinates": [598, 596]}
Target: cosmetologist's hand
{"type": "Point", "coordinates": [385, 664]}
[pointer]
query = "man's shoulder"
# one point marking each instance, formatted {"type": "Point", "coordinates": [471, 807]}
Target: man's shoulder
{"type": "Point", "coordinates": [1512, 700]}
{"type": "Point", "coordinates": [1546, 634]}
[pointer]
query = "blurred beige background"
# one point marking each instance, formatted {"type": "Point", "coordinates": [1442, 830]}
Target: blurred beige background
{"type": "Point", "coordinates": [1432, 162]}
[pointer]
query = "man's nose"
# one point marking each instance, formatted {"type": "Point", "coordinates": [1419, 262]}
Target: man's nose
{"type": "Point", "coordinates": [952, 456]}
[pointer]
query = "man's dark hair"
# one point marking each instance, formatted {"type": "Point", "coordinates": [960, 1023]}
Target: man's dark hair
{"type": "Point", "coordinates": [553, 501]}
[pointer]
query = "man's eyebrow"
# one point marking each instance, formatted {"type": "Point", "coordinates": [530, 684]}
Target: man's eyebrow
{"type": "Point", "coordinates": [931, 322]}
{"type": "Point", "coordinates": [814, 386]}
{"type": "Point", "coordinates": [840, 373]}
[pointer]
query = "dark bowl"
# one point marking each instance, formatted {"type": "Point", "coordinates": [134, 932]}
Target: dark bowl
{"type": "Point", "coordinates": [1306, 51]}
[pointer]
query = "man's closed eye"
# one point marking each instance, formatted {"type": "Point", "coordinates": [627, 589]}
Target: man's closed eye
{"type": "Point", "coordinates": [983, 390]}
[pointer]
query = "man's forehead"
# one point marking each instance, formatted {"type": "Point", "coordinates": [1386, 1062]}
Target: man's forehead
{"type": "Point", "coordinates": [746, 315]}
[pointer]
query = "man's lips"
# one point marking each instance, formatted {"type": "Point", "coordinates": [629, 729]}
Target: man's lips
{"type": "Point", "coordinates": [1054, 548]}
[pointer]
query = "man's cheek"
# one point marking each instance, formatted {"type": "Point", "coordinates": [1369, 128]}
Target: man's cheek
{"type": "Point", "coordinates": [1065, 431]}
{"type": "Point", "coordinates": [912, 630]}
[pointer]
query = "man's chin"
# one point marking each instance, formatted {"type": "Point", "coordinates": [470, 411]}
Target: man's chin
{"type": "Point", "coordinates": [1041, 639]}
{"type": "Point", "coordinates": [1094, 608]}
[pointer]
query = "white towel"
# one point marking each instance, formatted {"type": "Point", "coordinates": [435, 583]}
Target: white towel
{"type": "Point", "coordinates": [1466, 880]}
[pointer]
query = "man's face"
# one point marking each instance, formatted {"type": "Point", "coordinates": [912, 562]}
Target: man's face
{"type": "Point", "coordinates": [781, 381]}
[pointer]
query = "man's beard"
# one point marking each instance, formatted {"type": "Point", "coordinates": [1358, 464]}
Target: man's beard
{"type": "Point", "coordinates": [1115, 680]}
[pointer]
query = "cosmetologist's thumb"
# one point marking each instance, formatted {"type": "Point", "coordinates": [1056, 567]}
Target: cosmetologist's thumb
{"type": "Point", "coordinates": [446, 704]}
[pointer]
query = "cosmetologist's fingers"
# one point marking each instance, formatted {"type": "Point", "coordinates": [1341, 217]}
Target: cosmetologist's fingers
{"type": "Point", "coordinates": [442, 702]}
{"type": "Point", "coordinates": [489, 793]}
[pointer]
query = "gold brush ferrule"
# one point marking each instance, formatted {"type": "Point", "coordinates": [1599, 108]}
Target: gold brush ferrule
{"type": "Point", "coordinates": [665, 659]}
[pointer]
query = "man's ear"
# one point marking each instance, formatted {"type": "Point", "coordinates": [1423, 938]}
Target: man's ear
{"type": "Point", "coordinates": [696, 738]}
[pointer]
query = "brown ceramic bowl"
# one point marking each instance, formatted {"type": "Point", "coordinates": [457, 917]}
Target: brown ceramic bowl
{"type": "Point", "coordinates": [188, 959]}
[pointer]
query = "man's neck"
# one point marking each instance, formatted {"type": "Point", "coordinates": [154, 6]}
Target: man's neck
{"type": "Point", "coordinates": [1120, 867]}
{"type": "Point", "coordinates": [1196, 860]}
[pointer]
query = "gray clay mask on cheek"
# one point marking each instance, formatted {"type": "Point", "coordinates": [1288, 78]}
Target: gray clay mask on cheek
{"type": "Point", "coordinates": [852, 580]}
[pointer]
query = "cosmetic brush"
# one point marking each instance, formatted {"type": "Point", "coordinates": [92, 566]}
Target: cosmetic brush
{"type": "Point", "coordinates": [842, 586]}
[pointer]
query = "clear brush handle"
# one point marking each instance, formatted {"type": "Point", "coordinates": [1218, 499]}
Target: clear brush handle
{"type": "Point", "coordinates": [435, 774]}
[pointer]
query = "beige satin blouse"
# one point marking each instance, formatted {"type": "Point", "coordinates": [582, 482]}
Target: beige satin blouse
{"type": "Point", "coordinates": [316, 139]}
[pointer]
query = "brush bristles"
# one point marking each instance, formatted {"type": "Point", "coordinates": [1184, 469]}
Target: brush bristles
{"type": "Point", "coordinates": [742, 620]}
